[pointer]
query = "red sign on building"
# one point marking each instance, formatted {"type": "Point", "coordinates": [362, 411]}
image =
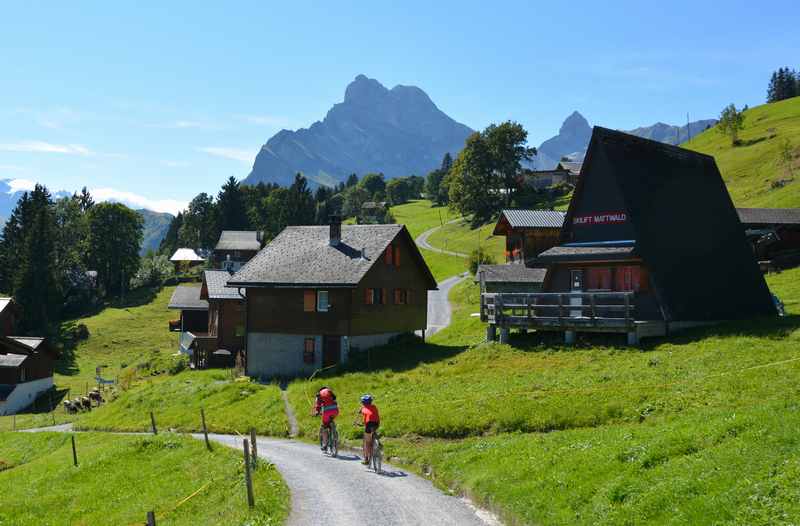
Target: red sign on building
{"type": "Point", "coordinates": [604, 218]}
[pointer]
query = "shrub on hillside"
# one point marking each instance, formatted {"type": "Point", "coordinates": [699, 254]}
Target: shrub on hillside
{"type": "Point", "coordinates": [479, 256]}
{"type": "Point", "coordinates": [153, 271]}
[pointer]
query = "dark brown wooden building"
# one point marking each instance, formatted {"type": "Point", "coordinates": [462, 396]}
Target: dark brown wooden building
{"type": "Point", "coordinates": [774, 234]}
{"type": "Point", "coordinates": [317, 293]}
{"type": "Point", "coordinates": [235, 248]}
{"type": "Point", "coordinates": [651, 242]}
{"type": "Point", "coordinates": [26, 371]}
{"type": "Point", "coordinates": [9, 313]}
{"type": "Point", "coordinates": [225, 312]}
{"type": "Point", "coordinates": [528, 233]}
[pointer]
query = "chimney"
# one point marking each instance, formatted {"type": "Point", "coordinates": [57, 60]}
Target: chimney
{"type": "Point", "coordinates": [335, 229]}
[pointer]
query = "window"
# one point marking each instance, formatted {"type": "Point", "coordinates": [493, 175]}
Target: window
{"type": "Point", "coordinates": [599, 278]}
{"type": "Point", "coordinates": [387, 256]}
{"type": "Point", "coordinates": [384, 296]}
{"type": "Point", "coordinates": [309, 300]}
{"type": "Point", "coordinates": [627, 279]}
{"type": "Point", "coordinates": [400, 296]}
{"type": "Point", "coordinates": [308, 350]}
{"type": "Point", "coordinates": [396, 256]}
{"type": "Point", "coordinates": [322, 301]}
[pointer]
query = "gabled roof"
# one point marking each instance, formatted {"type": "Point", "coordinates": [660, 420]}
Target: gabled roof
{"type": "Point", "coordinates": [185, 254]}
{"type": "Point", "coordinates": [684, 224]}
{"type": "Point", "coordinates": [12, 360]}
{"type": "Point", "coordinates": [769, 216]}
{"type": "Point", "coordinates": [574, 168]}
{"type": "Point", "coordinates": [216, 286]}
{"type": "Point", "coordinates": [5, 303]}
{"type": "Point", "coordinates": [29, 342]}
{"type": "Point", "coordinates": [524, 218]}
{"type": "Point", "coordinates": [510, 273]}
{"type": "Point", "coordinates": [238, 240]}
{"type": "Point", "coordinates": [303, 256]}
{"type": "Point", "coordinates": [187, 297]}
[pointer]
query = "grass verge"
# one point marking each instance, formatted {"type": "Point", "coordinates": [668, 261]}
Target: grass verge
{"type": "Point", "coordinates": [120, 478]}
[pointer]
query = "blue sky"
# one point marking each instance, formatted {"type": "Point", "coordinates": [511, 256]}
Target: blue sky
{"type": "Point", "coordinates": [157, 103]}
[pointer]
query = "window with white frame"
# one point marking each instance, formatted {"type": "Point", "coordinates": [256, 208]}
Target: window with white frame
{"type": "Point", "coordinates": [322, 301]}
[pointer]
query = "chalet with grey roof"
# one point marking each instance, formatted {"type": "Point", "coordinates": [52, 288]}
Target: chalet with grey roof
{"type": "Point", "coordinates": [235, 248]}
{"type": "Point", "coordinates": [315, 294]}
{"type": "Point", "coordinates": [528, 233]}
{"type": "Point", "coordinates": [26, 371]}
{"type": "Point", "coordinates": [774, 234]}
{"type": "Point", "coordinates": [651, 243]}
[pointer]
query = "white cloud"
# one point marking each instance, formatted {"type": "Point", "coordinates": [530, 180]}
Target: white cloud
{"type": "Point", "coordinates": [266, 120]}
{"type": "Point", "coordinates": [45, 147]}
{"type": "Point", "coordinates": [137, 201]}
{"type": "Point", "coordinates": [237, 154]}
{"type": "Point", "coordinates": [20, 185]}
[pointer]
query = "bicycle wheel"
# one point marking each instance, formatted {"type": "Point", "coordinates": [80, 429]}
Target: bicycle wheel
{"type": "Point", "coordinates": [377, 455]}
{"type": "Point", "coordinates": [334, 440]}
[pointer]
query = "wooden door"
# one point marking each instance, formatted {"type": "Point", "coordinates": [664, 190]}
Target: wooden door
{"type": "Point", "coordinates": [331, 350]}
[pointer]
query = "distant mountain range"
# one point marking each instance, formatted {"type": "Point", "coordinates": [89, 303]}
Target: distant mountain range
{"type": "Point", "coordinates": [400, 132]}
{"type": "Point", "coordinates": [573, 138]}
{"type": "Point", "coordinates": [397, 131]}
{"type": "Point", "coordinates": [156, 224]}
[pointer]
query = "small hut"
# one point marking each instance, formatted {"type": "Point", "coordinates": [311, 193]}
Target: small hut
{"type": "Point", "coordinates": [185, 258]}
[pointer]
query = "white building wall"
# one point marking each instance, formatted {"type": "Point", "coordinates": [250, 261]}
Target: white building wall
{"type": "Point", "coordinates": [24, 395]}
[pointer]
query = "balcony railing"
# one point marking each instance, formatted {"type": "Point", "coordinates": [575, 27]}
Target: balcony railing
{"type": "Point", "coordinates": [568, 310]}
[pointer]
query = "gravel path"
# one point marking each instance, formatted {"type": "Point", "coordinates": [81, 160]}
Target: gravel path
{"type": "Point", "coordinates": [342, 492]}
{"type": "Point", "coordinates": [422, 242]}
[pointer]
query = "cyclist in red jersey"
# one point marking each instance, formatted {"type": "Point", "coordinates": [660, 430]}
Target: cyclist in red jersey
{"type": "Point", "coordinates": [326, 406]}
{"type": "Point", "coordinates": [372, 420]}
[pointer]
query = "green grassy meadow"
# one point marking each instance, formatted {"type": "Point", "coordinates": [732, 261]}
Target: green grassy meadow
{"type": "Point", "coordinates": [120, 478]}
{"type": "Point", "coordinates": [460, 237]}
{"type": "Point", "coordinates": [695, 429]}
{"type": "Point", "coordinates": [750, 169]}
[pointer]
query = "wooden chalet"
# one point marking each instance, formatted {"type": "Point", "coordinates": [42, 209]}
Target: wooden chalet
{"type": "Point", "coordinates": [235, 248]}
{"type": "Point", "coordinates": [564, 173]}
{"type": "Point", "coordinates": [651, 243]}
{"type": "Point", "coordinates": [774, 234]}
{"type": "Point", "coordinates": [315, 294]}
{"type": "Point", "coordinates": [528, 233]}
{"type": "Point", "coordinates": [193, 319]}
{"type": "Point", "coordinates": [26, 371]}
{"type": "Point", "coordinates": [9, 313]}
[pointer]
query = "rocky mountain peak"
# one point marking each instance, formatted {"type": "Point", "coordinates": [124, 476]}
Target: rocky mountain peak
{"type": "Point", "coordinates": [364, 90]}
{"type": "Point", "coordinates": [575, 124]}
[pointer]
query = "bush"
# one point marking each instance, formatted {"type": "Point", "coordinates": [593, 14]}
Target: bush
{"type": "Point", "coordinates": [153, 271]}
{"type": "Point", "coordinates": [479, 256]}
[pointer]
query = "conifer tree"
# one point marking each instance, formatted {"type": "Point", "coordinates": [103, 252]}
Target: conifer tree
{"type": "Point", "coordinates": [231, 213]}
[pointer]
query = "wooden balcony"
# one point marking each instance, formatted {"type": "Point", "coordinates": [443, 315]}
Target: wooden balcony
{"type": "Point", "coordinates": [599, 311]}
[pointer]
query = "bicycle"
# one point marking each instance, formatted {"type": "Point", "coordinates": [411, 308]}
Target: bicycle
{"type": "Point", "coordinates": [377, 453]}
{"type": "Point", "coordinates": [332, 446]}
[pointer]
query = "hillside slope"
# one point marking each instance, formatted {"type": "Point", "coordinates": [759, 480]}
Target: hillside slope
{"type": "Point", "coordinates": [751, 169]}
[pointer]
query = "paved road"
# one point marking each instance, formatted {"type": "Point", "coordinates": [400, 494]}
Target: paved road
{"type": "Point", "coordinates": [341, 492]}
{"type": "Point", "coordinates": [439, 309]}
{"type": "Point", "coordinates": [422, 242]}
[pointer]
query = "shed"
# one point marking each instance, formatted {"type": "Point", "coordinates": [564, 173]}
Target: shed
{"type": "Point", "coordinates": [510, 278]}
{"type": "Point", "coordinates": [26, 371]}
{"type": "Point", "coordinates": [774, 234]}
{"type": "Point", "coordinates": [235, 248]}
{"type": "Point", "coordinates": [528, 232]}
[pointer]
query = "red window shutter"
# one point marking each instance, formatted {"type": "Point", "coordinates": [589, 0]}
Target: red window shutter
{"type": "Point", "coordinates": [396, 256]}
{"type": "Point", "coordinates": [367, 296]}
{"type": "Point", "coordinates": [384, 296]}
{"type": "Point", "coordinates": [309, 301]}
{"type": "Point", "coordinates": [396, 296]}
{"type": "Point", "coordinates": [388, 255]}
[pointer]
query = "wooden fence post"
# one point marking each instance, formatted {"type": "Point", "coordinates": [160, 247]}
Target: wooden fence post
{"type": "Point", "coordinates": [74, 452]}
{"type": "Point", "coordinates": [151, 518]}
{"type": "Point", "coordinates": [205, 429]}
{"type": "Point", "coordinates": [153, 423]}
{"type": "Point", "coordinates": [255, 446]}
{"type": "Point", "coordinates": [247, 478]}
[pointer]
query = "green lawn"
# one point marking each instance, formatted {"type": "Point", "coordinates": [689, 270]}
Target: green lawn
{"type": "Point", "coordinates": [120, 478]}
{"type": "Point", "coordinates": [461, 237]}
{"type": "Point", "coordinates": [230, 406]}
{"type": "Point", "coordinates": [422, 215]}
{"type": "Point", "coordinates": [685, 430]}
{"type": "Point", "coordinates": [750, 169]}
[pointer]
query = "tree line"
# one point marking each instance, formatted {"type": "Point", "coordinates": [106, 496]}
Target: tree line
{"type": "Point", "coordinates": [784, 84]}
{"type": "Point", "coordinates": [270, 208]}
{"type": "Point", "coordinates": [60, 257]}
